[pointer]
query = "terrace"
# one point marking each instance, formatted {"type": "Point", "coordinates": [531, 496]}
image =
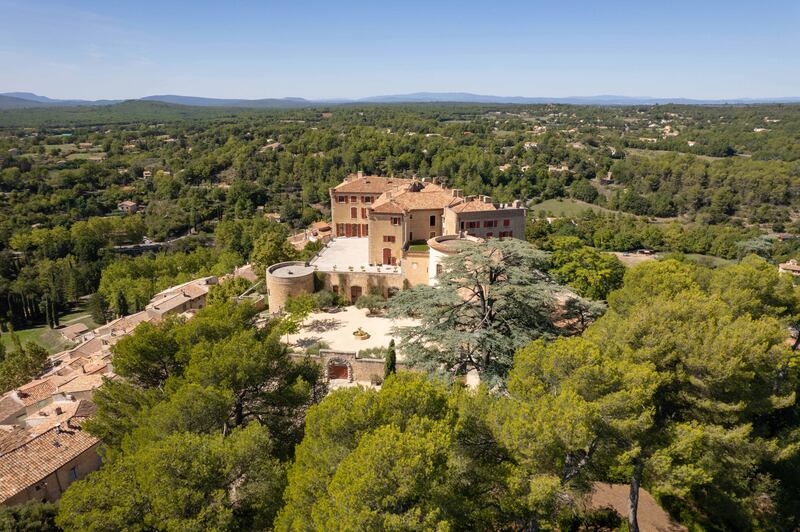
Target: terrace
{"type": "Point", "coordinates": [349, 255]}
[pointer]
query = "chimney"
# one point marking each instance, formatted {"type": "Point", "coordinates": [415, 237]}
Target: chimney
{"type": "Point", "coordinates": [486, 199]}
{"type": "Point", "coordinates": [517, 204]}
{"type": "Point", "coordinates": [59, 411]}
{"type": "Point", "coordinates": [458, 193]}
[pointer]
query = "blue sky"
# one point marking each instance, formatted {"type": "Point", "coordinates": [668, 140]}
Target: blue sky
{"type": "Point", "coordinates": [330, 49]}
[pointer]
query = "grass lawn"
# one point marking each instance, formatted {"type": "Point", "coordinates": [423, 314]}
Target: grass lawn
{"type": "Point", "coordinates": [48, 338]}
{"type": "Point", "coordinates": [566, 207]}
{"type": "Point", "coordinates": [85, 155]}
{"type": "Point", "coordinates": [655, 153]}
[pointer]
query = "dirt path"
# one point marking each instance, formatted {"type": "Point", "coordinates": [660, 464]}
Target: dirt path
{"type": "Point", "coordinates": [652, 518]}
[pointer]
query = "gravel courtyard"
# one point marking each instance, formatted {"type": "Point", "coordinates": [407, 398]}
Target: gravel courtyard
{"type": "Point", "coordinates": [336, 329]}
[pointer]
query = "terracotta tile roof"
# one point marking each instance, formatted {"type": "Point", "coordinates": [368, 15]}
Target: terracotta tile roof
{"type": "Point", "coordinates": [475, 205]}
{"type": "Point", "coordinates": [13, 438]}
{"type": "Point", "coordinates": [35, 391]}
{"type": "Point", "coordinates": [72, 331]}
{"type": "Point", "coordinates": [90, 347]}
{"type": "Point", "coordinates": [415, 195]}
{"type": "Point", "coordinates": [370, 184]}
{"type": "Point", "coordinates": [78, 362]}
{"type": "Point", "coordinates": [82, 383]}
{"type": "Point", "coordinates": [791, 266]}
{"type": "Point", "coordinates": [10, 405]}
{"type": "Point", "coordinates": [26, 462]}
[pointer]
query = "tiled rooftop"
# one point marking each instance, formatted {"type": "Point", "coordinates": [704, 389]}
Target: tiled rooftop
{"type": "Point", "coordinates": [369, 184]}
{"type": "Point", "coordinates": [28, 461]}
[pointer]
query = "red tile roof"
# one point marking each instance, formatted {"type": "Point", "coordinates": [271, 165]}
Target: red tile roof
{"type": "Point", "coordinates": [369, 184]}
{"type": "Point", "coordinates": [415, 195]}
{"type": "Point", "coordinates": [27, 461]}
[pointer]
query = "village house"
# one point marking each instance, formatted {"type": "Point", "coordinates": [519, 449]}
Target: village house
{"type": "Point", "coordinates": [128, 206]}
{"type": "Point", "coordinates": [73, 332]}
{"type": "Point", "coordinates": [317, 232]}
{"type": "Point", "coordinates": [39, 463]}
{"type": "Point", "coordinates": [792, 267]}
{"type": "Point", "coordinates": [184, 299]}
{"type": "Point", "coordinates": [43, 448]}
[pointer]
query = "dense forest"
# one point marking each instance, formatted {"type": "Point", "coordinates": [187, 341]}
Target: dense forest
{"type": "Point", "coordinates": [685, 384]}
{"type": "Point", "coordinates": [716, 180]}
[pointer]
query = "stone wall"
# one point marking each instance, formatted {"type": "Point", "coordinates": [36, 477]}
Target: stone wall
{"type": "Point", "coordinates": [415, 267]}
{"type": "Point", "coordinates": [358, 369]}
{"type": "Point", "coordinates": [343, 282]}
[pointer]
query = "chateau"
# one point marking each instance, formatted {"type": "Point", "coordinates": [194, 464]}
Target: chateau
{"type": "Point", "coordinates": [391, 233]}
{"type": "Point", "coordinates": [396, 213]}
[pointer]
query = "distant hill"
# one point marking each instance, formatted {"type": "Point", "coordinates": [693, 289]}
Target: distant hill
{"type": "Point", "coordinates": [130, 111]}
{"type": "Point", "coordinates": [35, 100]}
{"type": "Point", "coordinates": [12, 102]}
{"type": "Point", "coordinates": [466, 97]}
{"type": "Point", "coordinates": [226, 102]}
{"type": "Point", "coordinates": [27, 99]}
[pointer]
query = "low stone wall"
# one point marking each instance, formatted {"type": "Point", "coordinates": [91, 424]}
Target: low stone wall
{"type": "Point", "coordinates": [349, 284]}
{"type": "Point", "coordinates": [357, 369]}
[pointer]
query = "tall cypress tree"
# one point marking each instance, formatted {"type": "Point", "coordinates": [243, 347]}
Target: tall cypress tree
{"type": "Point", "coordinates": [390, 366]}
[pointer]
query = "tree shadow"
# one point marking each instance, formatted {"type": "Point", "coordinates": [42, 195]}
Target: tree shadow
{"type": "Point", "coordinates": [306, 342]}
{"type": "Point", "coordinates": [324, 325]}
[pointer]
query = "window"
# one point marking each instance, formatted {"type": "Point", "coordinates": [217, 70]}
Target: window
{"type": "Point", "coordinates": [506, 223]}
{"type": "Point", "coordinates": [72, 476]}
{"type": "Point", "coordinates": [489, 234]}
{"type": "Point", "coordinates": [339, 229]}
{"type": "Point", "coordinates": [335, 289]}
{"type": "Point", "coordinates": [342, 199]}
{"type": "Point", "coordinates": [353, 199]}
{"type": "Point", "coordinates": [439, 269]}
{"type": "Point", "coordinates": [366, 199]}
{"type": "Point", "coordinates": [395, 220]}
{"type": "Point", "coordinates": [490, 223]}
{"type": "Point", "coordinates": [353, 212]}
{"type": "Point", "coordinates": [433, 221]}
{"type": "Point", "coordinates": [364, 229]}
{"type": "Point", "coordinates": [472, 225]}
{"type": "Point", "coordinates": [388, 238]}
{"type": "Point", "coordinates": [432, 234]}
{"type": "Point", "coordinates": [363, 213]}
{"type": "Point", "coordinates": [462, 225]}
